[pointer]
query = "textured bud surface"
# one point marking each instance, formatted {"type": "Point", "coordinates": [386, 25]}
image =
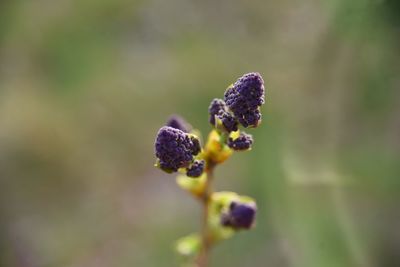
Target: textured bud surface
{"type": "Point", "coordinates": [175, 149]}
{"type": "Point", "coordinates": [196, 169]}
{"type": "Point", "coordinates": [243, 142]}
{"type": "Point", "coordinates": [196, 148]}
{"type": "Point", "coordinates": [177, 122]}
{"type": "Point", "coordinates": [240, 215]}
{"type": "Point", "coordinates": [228, 121]}
{"type": "Point", "coordinates": [215, 107]}
{"type": "Point", "coordinates": [245, 97]}
{"type": "Point", "coordinates": [218, 109]}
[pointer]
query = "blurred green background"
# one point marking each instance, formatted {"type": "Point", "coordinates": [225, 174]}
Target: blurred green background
{"type": "Point", "coordinates": [86, 84]}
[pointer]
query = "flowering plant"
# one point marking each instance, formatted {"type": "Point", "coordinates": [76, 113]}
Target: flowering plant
{"type": "Point", "coordinates": [178, 149]}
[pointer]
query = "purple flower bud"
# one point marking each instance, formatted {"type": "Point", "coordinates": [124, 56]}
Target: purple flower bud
{"type": "Point", "coordinates": [228, 121]}
{"type": "Point", "coordinates": [196, 169]}
{"type": "Point", "coordinates": [219, 109]}
{"type": "Point", "coordinates": [175, 149]}
{"type": "Point", "coordinates": [251, 118]}
{"type": "Point", "coordinates": [196, 148]}
{"type": "Point", "coordinates": [243, 142]}
{"type": "Point", "coordinates": [177, 122]}
{"type": "Point", "coordinates": [245, 97]}
{"type": "Point", "coordinates": [215, 107]}
{"type": "Point", "coordinates": [240, 215]}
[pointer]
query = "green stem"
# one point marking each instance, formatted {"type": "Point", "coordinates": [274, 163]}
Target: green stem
{"type": "Point", "coordinates": [202, 259]}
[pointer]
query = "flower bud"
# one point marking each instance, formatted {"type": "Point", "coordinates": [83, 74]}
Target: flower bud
{"type": "Point", "coordinates": [220, 116]}
{"type": "Point", "coordinates": [215, 107]}
{"type": "Point", "coordinates": [240, 215]}
{"type": "Point", "coordinates": [177, 122]}
{"type": "Point", "coordinates": [196, 169]}
{"type": "Point", "coordinates": [245, 97]}
{"type": "Point", "coordinates": [243, 142]}
{"type": "Point", "coordinates": [175, 149]}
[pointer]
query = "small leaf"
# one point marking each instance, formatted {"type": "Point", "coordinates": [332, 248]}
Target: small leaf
{"type": "Point", "coordinates": [189, 245]}
{"type": "Point", "coordinates": [217, 230]}
{"type": "Point", "coordinates": [234, 135]}
{"type": "Point", "coordinates": [246, 199]}
{"type": "Point", "coordinates": [216, 150]}
{"type": "Point", "coordinates": [224, 198]}
{"type": "Point", "coordinates": [194, 186]}
{"type": "Point", "coordinates": [220, 204]}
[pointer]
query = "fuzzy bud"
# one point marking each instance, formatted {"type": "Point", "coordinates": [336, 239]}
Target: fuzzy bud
{"type": "Point", "coordinates": [177, 122]}
{"type": "Point", "coordinates": [243, 142]}
{"type": "Point", "coordinates": [245, 97]}
{"type": "Point", "coordinates": [215, 107]}
{"type": "Point", "coordinates": [196, 169]}
{"type": "Point", "coordinates": [175, 149]}
{"type": "Point", "coordinates": [240, 215]}
{"type": "Point", "coordinates": [218, 110]}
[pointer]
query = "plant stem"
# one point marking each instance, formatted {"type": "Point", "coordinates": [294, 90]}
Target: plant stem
{"type": "Point", "coordinates": [202, 259]}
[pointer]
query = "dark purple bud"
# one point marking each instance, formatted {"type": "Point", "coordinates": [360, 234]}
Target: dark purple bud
{"type": "Point", "coordinates": [245, 97]}
{"type": "Point", "coordinates": [251, 86]}
{"type": "Point", "coordinates": [228, 121]}
{"type": "Point", "coordinates": [219, 110]}
{"type": "Point", "coordinates": [196, 148]}
{"type": "Point", "coordinates": [243, 142]}
{"type": "Point", "coordinates": [196, 169]}
{"type": "Point", "coordinates": [215, 107]}
{"type": "Point", "coordinates": [177, 122]}
{"type": "Point", "coordinates": [240, 215]}
{"type": "Point", "coordinates": [250, 118]}
{"type": "Point", "coordinates": [175, 149]}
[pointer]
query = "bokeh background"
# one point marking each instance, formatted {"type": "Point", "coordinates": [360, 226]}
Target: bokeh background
{"type": "Point", "coordinates": [85, 85]}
